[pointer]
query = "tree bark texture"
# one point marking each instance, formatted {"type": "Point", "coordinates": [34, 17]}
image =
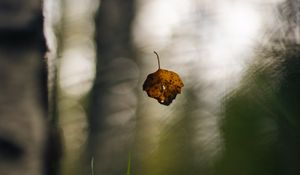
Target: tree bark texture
{"type": "Point", "coordinates": [113, 99]}
{"type": "Point", "coordinates": [23, 99]}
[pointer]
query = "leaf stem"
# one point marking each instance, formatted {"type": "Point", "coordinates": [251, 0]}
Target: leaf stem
{"type": "Point", "coordinates": [157, 59]}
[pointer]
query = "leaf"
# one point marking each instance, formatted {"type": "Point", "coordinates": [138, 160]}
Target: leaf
{"type": "Point", "coordinates": [163, 85]}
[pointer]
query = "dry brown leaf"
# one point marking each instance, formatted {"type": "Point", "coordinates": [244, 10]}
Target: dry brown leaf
{"type": "Point", "coordinates": [163, 85]}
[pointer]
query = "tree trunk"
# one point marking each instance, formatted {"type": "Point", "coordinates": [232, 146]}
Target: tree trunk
{"type": "Point", "coordinates": [23, 92]}
{"type": "Point", "coordinates": [113, 97]}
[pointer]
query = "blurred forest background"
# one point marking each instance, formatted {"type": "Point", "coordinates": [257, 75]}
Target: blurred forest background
{"type": "Point", "coordinates": [238, 113]}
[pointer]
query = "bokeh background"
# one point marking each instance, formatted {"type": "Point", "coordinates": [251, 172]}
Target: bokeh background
{"type": "Point", "coordinates": [237, 113]}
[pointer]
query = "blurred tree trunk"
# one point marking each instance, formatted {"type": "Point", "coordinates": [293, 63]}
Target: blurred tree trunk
{"type": "Point", "coordinates": [113, 99]}
{"type": "Point", "coordinates": [23, 89]}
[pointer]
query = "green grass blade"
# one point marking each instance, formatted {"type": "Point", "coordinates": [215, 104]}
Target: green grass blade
{"type": "Point", "coordinates": [129, 164]}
